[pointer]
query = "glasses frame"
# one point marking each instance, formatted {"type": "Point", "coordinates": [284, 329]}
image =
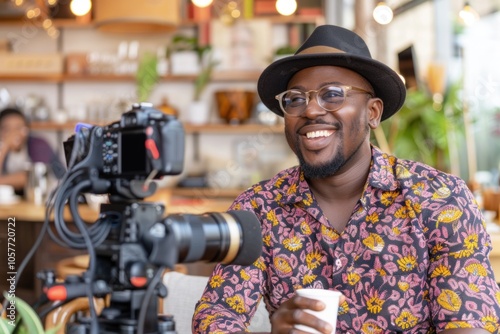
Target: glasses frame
{"type": "Point", "coordinates": [345, 88]}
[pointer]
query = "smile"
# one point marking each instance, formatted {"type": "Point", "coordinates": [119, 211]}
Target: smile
{"type": "Point", "coordinates": [319, 133]}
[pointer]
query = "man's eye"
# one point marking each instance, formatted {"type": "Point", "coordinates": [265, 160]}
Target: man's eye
{"type": "Point", "coordinates": [295, 100]}
{"type": "Point", "coordinates": [332, 95]}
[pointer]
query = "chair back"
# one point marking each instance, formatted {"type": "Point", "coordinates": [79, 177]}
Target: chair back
{"type": "Point", "coordinates": [184, 291]}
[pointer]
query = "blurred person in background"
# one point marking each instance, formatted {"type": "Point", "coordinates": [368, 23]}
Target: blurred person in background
{"type": "Point", "coordinates": [19, 149]}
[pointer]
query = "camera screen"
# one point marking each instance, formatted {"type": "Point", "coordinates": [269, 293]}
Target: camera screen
{"type": "Point", "coordinates": [133, 152]}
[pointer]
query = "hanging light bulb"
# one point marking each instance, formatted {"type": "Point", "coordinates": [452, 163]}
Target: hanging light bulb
{"type": "Point", "coordinates": [80, 7]}
{"type": "Point", "coordinates": [468, 16]}
{"type": "Point", "coordinates": [382, 13]}
{"type": "Point", "coordinates": [202, 3]}
{"type": "Point", "coordinates": [286, 7]}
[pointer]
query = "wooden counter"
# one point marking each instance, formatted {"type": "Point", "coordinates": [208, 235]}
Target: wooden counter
{"type": "Point", "coordinates": [29, 219]}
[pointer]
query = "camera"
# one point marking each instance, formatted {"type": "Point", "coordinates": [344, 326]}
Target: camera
{"type": "Point", "coordinates": [132, 242]}
{"type": "Point", "coordinates": [142, 142]}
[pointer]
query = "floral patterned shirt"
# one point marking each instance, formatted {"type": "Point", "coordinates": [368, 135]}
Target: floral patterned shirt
{"type": "Point", "coordinates": [413, 257]}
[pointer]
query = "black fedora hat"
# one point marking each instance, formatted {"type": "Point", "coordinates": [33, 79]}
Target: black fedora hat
{"type": "Point", "coordinates": [335, 46]}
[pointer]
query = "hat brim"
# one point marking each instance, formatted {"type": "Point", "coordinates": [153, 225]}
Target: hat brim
{"type": "Point", "coordinates": [386, 83]}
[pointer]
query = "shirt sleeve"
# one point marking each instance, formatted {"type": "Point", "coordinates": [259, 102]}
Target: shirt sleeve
{"type": "Point", "coordinates": [463, 291]}
{"type": "Point", "coordinates": [232, 294]}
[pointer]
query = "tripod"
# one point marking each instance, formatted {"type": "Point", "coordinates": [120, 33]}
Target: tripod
{"type": "Point", "coordinates": [125, 268]}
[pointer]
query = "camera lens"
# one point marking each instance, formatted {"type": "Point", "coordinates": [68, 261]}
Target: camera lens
{"type": "Point", "coordinates": [232, 237]}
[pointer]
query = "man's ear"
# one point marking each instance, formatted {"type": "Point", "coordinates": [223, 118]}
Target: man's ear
{"type": "Point", "coordinates": [375, 109]}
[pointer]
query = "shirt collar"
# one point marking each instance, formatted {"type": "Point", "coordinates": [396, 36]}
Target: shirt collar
{"type": "Point", "coordinates": [381, 176]}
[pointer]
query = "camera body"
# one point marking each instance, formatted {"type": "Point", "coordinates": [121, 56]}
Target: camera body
{"type": "Point", "coordinates": [142, 142]}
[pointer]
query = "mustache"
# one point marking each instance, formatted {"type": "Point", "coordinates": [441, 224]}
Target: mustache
{"type": "Point", "coordinates": [335, 125]}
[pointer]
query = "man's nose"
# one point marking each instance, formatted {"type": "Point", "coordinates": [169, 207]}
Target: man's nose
{"type": "Point", "coordinates": [313, 109]}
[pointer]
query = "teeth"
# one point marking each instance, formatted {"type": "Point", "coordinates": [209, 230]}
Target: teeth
{"type": "Point", "coordinates": [321, 133]}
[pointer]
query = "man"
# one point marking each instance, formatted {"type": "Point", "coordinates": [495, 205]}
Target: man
{"type": "Point", "coordinates": [18, 149]}
{"type": "Point", "coordinates": [403, 242]}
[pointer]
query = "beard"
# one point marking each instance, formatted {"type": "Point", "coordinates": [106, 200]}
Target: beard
{"type": "Point", "coordinates": [331, 167]}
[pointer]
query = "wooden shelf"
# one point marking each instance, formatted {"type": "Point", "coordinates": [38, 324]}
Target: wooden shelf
{"type": "Point", "coordinates": [223, 76]}
{"type": "Point", "coordinates": [246, 128]}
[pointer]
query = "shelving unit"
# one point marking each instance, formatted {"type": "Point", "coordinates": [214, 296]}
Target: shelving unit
{"type": "Point", "coordinates": [216, 128]}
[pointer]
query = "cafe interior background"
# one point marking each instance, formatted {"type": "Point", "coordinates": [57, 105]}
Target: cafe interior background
{"type": "Point", "coordinates": [69, 61]}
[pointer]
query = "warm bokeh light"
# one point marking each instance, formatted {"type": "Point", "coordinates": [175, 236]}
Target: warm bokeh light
{"type": "Point", "coordinates": [286, 7]}
{"type": "Point", "coordinates": [47, 23]}
{"type": "Point", "coordinates": [382, 13]}
{"type": "Point", "coordinates": [202, 3]}
{"type": "Point", "coordinates": [80, 7]}
{"type": "Point", "coordinates": [468, 16]}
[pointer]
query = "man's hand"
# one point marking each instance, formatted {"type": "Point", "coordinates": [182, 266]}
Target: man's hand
{"type": "Point", "coordinates": [292, 312]}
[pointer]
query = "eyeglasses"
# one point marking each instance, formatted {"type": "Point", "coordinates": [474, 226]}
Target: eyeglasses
{"type": "Point", "coordinates": [293, 102]}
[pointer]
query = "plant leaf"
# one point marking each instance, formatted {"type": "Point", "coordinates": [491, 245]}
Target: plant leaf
{"type": "Point", "coordinates": [28, 316]}
{"type": "Point", "coordinates": [5, 327]}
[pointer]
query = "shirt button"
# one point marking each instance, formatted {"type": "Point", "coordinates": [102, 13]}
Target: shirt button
{"type": "Point", "coordinates": [338, 263]}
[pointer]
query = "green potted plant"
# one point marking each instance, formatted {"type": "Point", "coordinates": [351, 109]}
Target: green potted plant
{"type": "Point", "coordinates": [422, 130]}
{"type": "Point", "coordinates": [199, 110]}
{"type": "Point", "coordinates": [25, 321]}
{"type": "Point", "coordinates": [146, 76]}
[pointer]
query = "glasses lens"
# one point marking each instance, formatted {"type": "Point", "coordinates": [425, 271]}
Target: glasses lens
{"type": "Point", "coordinates": [331, 97]}
{"type": "Point", "coordinates": [293, 101]}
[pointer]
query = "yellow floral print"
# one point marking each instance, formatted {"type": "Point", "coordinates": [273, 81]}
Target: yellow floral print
{"type": "Point", "coordinates": [406, 320]}
{"type": "Point", "coordinates": [308, 279]}
{"type": "Point", "coordinates": [313, 260]}
{"type": "Point", "coordinates": [374, 304]}
{"type": "Point", "coordinates": [402, 172]}
{"type": "Point", "coordinates": [404, 286]}
{"type": "Point", "coordinates": [279, 182]}
{"type": "Point", "coordinates": [442, 192]}
{"type": "Point", "coordinates": [372, 218]}
{"type": "Point", "coordinates": [490, 323]}
{"type": "Point", "coordinates": [308, 200]}
{"type": "Point", "coordinates": [448, 215]}
{"type": "Point", "coordinates": [418, 188]}
{"type": "Point", "coordinates": [401, 213]}
{"type": "Point", "coordinates": [474, 287]}
{"type": "Point", "coordinates": [292, 189]}
{"type": "Point", "coordinates": [374, 242]}
{"type": "Point", "coordinates": [461, 254]}
{"type": "Point", "coordinates": [293, 243]}
{"type": "Point", "coordinates": [436, 249]}
{"type": "Point", "coordinates": [388, 197]}
{"type": "Point", "coordinates": [267, 240]}
{"type": "Point", "coordinates": [257, 189]}
{"type": "Point", "coordinates": [449, 300]}
{"type": "Point", "coordinates": [353, 278]}
{"type": "Point", "coordinates": [457, 324]}
{"type": "Point", "coordinates": [282, 265]}
{"type": "Point", "coordinates": [304, 227]}
{"type": "Point", "coordinates": [216, 281]}
{"type": "Point", "coordinates": [343, 308]}
{"type": "Point", "coordinates": [260, 264]}
{"type": "Point", "coordinates": [237, 303]}
{"type": "Point", "coordinates": [329, 233]}
{"type": "Point", "coordinates": [441, 271]}
{"type": "Point", "coordinates": [371, 328]}
{"type": "Point", "coordinates": [471, 241]}
{"type": "Point", "coordinates": [244, 275]}
{"type": "Point", "coordinates": [407, 263]}
{"type": "Point", "coordinates": [207, 321]}
{"type": "Point", "coordinates": [254, 204]}
{"type": "Point", "coordinates": [476, 269]}
{"type": "Point", "coordinates": [271, 216]}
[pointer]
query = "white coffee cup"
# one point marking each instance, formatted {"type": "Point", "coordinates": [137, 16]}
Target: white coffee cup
{"type": "Point", "coordinates": [6, 192]}
{"type": "Point", "coordinates": [331, 300]}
